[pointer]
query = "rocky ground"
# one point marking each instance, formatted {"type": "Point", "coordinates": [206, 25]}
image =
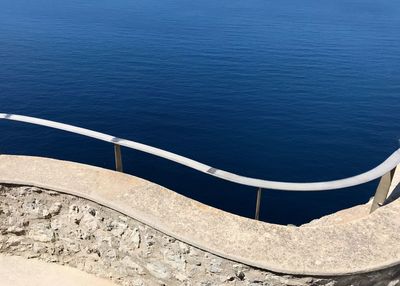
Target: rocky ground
{"type": "Point", "coordinates": [67, 230]}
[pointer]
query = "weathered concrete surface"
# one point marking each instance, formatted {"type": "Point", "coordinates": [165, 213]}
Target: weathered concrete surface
{"type": "Point", "coordinates": [360, 211]}
{"type": "Point", "coordinates": [63, 229]}
{"type": "Point", "coordinates": [340, 217]}
{"type": "Point", "coordinates": [17, 271]}
{"type": "Point", "coordinates": [363, 245]}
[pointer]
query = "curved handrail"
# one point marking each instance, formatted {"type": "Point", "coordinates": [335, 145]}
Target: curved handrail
{"type": "Point", "coordinates": [390, 163]}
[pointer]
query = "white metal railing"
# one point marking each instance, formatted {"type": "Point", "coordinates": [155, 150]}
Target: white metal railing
{"type": "Point", "coordinates": [384, 171]}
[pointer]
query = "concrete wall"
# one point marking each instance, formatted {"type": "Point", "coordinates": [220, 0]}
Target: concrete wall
{"type": "Point", "coordinates": [138, 233]}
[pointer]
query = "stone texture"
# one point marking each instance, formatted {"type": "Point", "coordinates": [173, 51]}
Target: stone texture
{"type": "Point", "coordinates": [97, 240]}
{"type": "Point", "coordinates": [362, 245]}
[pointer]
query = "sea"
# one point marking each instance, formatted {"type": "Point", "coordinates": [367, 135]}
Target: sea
{"type": "Point", "coordinates": [288, 90]}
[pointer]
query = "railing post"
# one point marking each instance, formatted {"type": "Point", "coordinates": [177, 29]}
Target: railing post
{"type": "Point", "coordinates": [118, 158]}
{"type": "Point", "coordinates": [258, 203]}
{"type": "Point", "coordinates": [382, 190]}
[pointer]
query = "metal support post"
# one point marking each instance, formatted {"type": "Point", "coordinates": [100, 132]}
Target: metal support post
{"type": "Point", "coordinates": [118, 158]}
{"type": "Point", "coordinates": [258, 202]}
{"type": "Point", "coordinates": [382, 190]}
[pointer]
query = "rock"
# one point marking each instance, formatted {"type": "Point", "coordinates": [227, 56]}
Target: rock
{"type": "Point", "coordinates": [110, 254]}
{"type": "Point", "coordinates": [53, 259]}
{"type": "Point", "coordinates": [132, 267]}
{"type": "Point", "coordinates": [55, 224]}
{"type": "Point", "coordinates": [286, 280]}
{"type": "Point", "coordinates": [104, 238]}
{"type": "Point", "coordinates": [130, 240]}
{"type": "Point", "coordinates": [181, 277]}
{"type": "Point", "coordinates": [52, 193]}
{"type": "Point", "coordinates": [184, 248]}
{"type": "Point", "coordinates": [7, 211]}
{"type": "Point", "coordinates": [135, 238]}
{"type": "Point", "coordinates": [240, 274]}
{"type": "Point", "coordinates": [74, 214]}
{"type": "Point", "coordinates": [89, 223]}
{"type": "Point", "coordinates": [55, 208]}
{"type": "Point", "coordinates": [175, 260]}
{"type": "Point", "coordinates": [39, 248]}
{"type": "Point", "coordinates": [193, 252]}
{"type": "Point", "coordinates": [206, 283]}
{"type": "Point", "coordinates": [12, 221]}
{"type": "Point", "coordinates": [46, 214]}
{"type": "Point", "coordinates": [71, 245]}
{"type": "Point", "coordinates": [240, 267]}
{"type": "Point", "coordinates": [42, 233]}
{"type": "Point", "coordinates": [305, 281]}
{"type": "Point", "coordinates": [149, 240]}
{"type": "Point", "coordinates": [158, 270]}
{"type": "Point", "coordinates": [117, 228]}
{"type": "Point", "coordinates": [35, 190]}
{"type": "Point", "coordinates": [13, 241]}
{"type": "Point", "coordinates": [33, 208]}
{"type": "Point", "coordinates": [90, 266]}
{"type": "Point", "coordinates": [215, 265]}
{"type": "Point", "coordinates": [22, 191]}
{"type": "Point", "coordinates": [229, 278]}
{"type": "Point", "coordinates": [91, 210]}
{"type": "Point", "coordinates": [31, 255]}
{"type": "Point", "coordinates": [240, 270]}
{"type": "Point", "coordinates": [15, 230]}
{"type": "Point", "coordinates": [255, 276]}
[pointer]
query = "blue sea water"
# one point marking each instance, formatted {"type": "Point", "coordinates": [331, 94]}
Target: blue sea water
{"type": "Point", "coordinates": [283, 90]}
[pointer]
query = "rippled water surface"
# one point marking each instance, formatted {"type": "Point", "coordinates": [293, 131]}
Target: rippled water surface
{"type": "Point", "coordinates": [282, 90]}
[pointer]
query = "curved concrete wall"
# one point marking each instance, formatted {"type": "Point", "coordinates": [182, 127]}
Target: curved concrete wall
{"type": "Point", "coordinates": [366, 245]}
{"type": "Point", "coordinates": [63, 229]}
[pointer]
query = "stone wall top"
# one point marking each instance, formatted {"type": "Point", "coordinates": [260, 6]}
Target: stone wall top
{"type": "Point", "coordinates": [362, 245]}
